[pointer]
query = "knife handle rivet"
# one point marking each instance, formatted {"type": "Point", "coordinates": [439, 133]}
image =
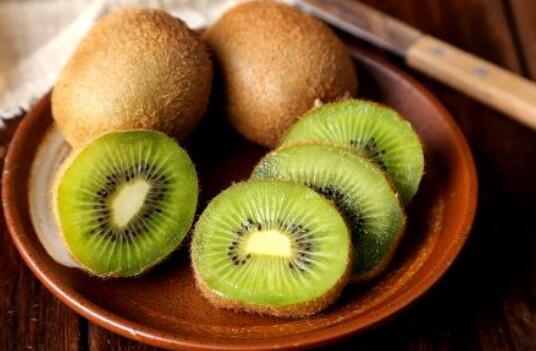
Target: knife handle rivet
{"type": "Point", "coordinates": [480, 71]}
{"type": "Point", "coordinates": [437, 51]}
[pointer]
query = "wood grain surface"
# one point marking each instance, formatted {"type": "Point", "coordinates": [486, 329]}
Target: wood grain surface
{"type": "Point", "coordinates": [487, 301]}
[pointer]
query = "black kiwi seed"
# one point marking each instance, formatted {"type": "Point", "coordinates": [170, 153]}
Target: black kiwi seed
{"type": "Point", "coordinates": [372, 151]}
{"type": "Point", "coordinates": [248, 223]}
{"type": "Point", "coordinates": [338, 197]}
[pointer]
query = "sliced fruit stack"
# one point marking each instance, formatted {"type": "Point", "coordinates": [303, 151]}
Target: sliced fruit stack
{"type": "Point", "coordinates": [271, 245]}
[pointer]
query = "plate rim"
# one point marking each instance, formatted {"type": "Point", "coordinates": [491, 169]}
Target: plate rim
{"type": "Point", "coordinates": [127, 328]}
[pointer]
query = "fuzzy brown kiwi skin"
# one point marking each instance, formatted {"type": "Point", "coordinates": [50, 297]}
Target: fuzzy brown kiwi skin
{"type": "Point", "coordinates": [384, 263]}
{"type": "Point", "coordinates": [265, 90]}
{"type": "Point", "coordinates": [55, 208]}
{"type": "Point", "coordinates": [299, 310]}
{"type": "Point", "coordinates": [136, 68]}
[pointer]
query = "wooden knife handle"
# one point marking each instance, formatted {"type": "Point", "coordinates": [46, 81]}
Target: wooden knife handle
{"type": "Point", "coordinates": [486, 82]}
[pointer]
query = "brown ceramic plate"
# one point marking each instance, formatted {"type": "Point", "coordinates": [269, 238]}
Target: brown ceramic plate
{"type": "Point", "coordinates": [164, 309]}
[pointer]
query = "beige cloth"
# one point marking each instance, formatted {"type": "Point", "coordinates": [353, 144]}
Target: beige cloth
{"type": "Point", "coordinates": [38, 36]}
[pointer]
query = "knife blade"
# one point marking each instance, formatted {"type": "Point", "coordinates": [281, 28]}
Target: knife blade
{"type": "Point", "coordinates": [492, 85]}
{"type": "Point", "coordinates": [364, 22]}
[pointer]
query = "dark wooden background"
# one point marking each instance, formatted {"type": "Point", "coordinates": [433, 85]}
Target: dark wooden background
{"type": "Point", "coordinates": [487, 300]}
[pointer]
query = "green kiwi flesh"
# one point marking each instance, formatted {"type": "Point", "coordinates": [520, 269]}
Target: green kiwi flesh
{"type": "Point", "coordinates": [375, 131]}
{"type": "Point", "coordinates": [271, 247]}
{"type": "Point", "coordinates": [360, 190]}
{"type": "Point", "coordinates": [125, 201]}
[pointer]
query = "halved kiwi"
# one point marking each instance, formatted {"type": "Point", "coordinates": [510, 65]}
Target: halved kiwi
{"type": "Point", "coordinates": [361, 191]}
{"type": "Point", "coordinates": [373, 130]}
{"type": "Point", "coordinates": [271, 247]}
{"type": "Point", "coordinates": [125, 201]}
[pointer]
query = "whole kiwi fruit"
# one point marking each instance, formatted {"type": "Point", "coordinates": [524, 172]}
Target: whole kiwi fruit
{"type": "Point", "coordinates": [275, 62]}
{"type": "Point", "coordinates": [136, 68]}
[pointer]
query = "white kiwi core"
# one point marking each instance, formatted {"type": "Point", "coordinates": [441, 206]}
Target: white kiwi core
{"type": "Point", "coordinates": [128, 200]}
{"type": "Point", "coordinates": [269, 243]}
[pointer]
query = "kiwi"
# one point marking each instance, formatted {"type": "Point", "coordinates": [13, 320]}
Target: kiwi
{"type": "Point", "coordinates": [136, 68]}
{"type": "Point", "coordinates": [125, 201]}
{"type": "Point", "coordinates": [275, 62]}
{"type": "Point", "coordinates": [271, 247]}
{"type": "Point", "coordinates": [361, 191]}
{"type": "Point", "coordinates": [373, 130]}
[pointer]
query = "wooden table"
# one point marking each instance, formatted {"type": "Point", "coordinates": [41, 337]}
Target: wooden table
{"type": "Point", "coordinates": [486, 301]}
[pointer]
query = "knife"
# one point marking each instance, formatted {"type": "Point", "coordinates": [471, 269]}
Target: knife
{"type": "Point", "coordinates": [488, 83]}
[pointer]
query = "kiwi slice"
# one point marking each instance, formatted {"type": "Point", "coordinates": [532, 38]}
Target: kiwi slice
{"type": "Point", "coordinates": [373, 130]}
{"type": "Point", "coordinates": [361, 191]}
{"type": "Point", "coordinates": [125, 201]}
{"type": "Point", "coordinates": [271, 247]}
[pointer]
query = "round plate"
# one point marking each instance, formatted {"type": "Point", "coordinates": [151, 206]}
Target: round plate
{"type": "Point", "coordinates": [163, 307]}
